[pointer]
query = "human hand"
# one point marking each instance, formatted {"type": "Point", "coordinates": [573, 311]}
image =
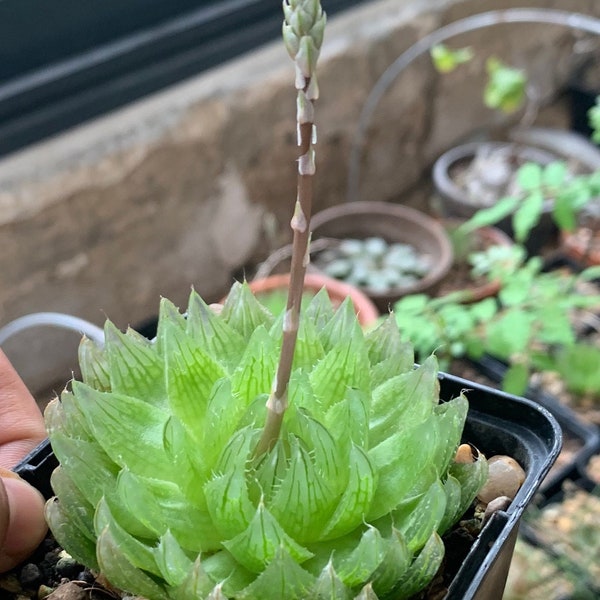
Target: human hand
{"type": "Point", "coordinates": [22, 525]}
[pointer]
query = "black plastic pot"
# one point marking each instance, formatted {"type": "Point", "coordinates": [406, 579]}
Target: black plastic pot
{"type": "Point", "coordinates": [497, 423]}
{"type": "Point", "coordinates": [585, 435]}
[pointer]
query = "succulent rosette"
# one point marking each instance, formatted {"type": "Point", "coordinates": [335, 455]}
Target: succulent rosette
{"type": "Point", "coordinates": [160, 486]}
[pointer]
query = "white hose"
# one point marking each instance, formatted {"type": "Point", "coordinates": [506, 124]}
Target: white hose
{"type": "Point", "coordinates": [52, 319]}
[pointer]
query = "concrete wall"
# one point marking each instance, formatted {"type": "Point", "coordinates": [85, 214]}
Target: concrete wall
{"type": "Point", "coordinates": [185, 187]}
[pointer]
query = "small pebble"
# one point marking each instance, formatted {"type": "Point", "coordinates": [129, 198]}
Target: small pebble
{"type": "Point", "coordinates": [30, 576]}
{"type": "Point", "coordinates": [68, 591]}
{"type": "Point", "coordinates": [44, 591]}
{"type": "Point", "coordinates": [505, 478]}
{"type": "Point", "coordinates": [68, 567]}
{"type": "Point", "coordinates": [464, 454]}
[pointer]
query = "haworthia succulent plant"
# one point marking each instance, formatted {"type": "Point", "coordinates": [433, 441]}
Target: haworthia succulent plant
{"type": "Point", "coordinates": [159, 486]}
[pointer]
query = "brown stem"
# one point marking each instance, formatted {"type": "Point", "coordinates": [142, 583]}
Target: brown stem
{"type": "Point", "coordinates": [278, 401]}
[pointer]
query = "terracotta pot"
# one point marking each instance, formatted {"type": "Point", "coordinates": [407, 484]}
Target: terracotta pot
{"type": "Point", "coordinates": [483, 238]}
{"type": "Point", "coordinates": [394, 223]}
{"type": "Point", "coordinates": [366, 311]}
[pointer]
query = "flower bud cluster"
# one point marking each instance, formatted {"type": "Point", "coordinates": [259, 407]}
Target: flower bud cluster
{"type": "Point", "coordinates": [303, 30]}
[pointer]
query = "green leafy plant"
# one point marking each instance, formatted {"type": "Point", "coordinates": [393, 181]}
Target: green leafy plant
{"type": "Point", "coordinates": [538, 185]}
{"type": "Point", "coordinates": [528, 327]}
{"type": "Point", "coordinates": [579, 368]}
{"type": "Point", "coordinates": [506, 89]}
{"type": "Point", "coordinates": [446, 60]}
{"type": "Point", "coordinates": [594, 120]}
{"type": "Point", "coordinates": [506, 86]}
{"type": "Point", "coordinates": [247, 455]}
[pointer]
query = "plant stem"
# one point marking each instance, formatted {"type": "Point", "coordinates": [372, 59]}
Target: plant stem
{"type": "Point", "coordinates": [303, 35]}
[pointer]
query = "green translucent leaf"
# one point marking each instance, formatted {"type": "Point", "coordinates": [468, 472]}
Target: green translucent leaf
{"type": "Point", "coordinates": [366, 593]}
{"type": "Point", "coordinates": [69, 495]}
{"type": "Point", "coordinates": [396, 561]}
{"type": "Point", "coordinates": [318, 439]}
{"type": "Point", "coordinates": [121, 573]}
{"type": "Point", "coordinates": [68, 534]}
{"type": "Point", "coordinates": [191, 375]}
{"type": "Point", "coordinates": [422, 570]}
{"type": "Point", "coordinates": [93, 364]}
{"type": "Point", "coordinates": [303, 501]}
{"type": "Point", "coordinates": [453, 512]}
{"type": "Point", "coordinates": [343, 325]}
{"type": "Point", "coordinates": [227, 496]}
{"type": "Point", "coordinates": [66, 417]}
{"type": "Point", "coordinates": [243, 312]}
{"type": "Point", "coordinates": [471, 477]}
{"type": "Point", "coordinates": [528, 215]}
{"type": "Point", "coordinates": [356, 568]}
{"type": "Point", "coordinates": [283, 578]}
{"type": "Point", "coordinates": [356, 499]}
{"type": "Point", "coordinates": [348, 420]}
{"type": "Point", "coordinates": [141, 426]}
{"type": "Point", "coordinates": [258, 545]}
{"type": "Point", "coordinates": [256, 372]}
{"type": "Point", "coordinates": [135, 367]}
{"type": "Point", "coordinates": [197, 584]}
{"type": "Point", "coordinates": [223, 413]}
{"type": "Point", "coordinates": [450, 421]}
{"type": "Point", "coordinates": [222, 568]}
{"type": "Point", "coordinates": [403, 401]}
{"type": "Point", "coordinates": [173, 563]}
{"type": "Point", "coordinates": [212, 333]}
{"type": "Point", "coordinates": [309, 350]}
{"type": "Point", "coordinates": [329, 586]}
{"type": "Point", "coordinates": [385, 342]}
{"type": "Point", "coordinates": [161, 505]}
{"type": "Point", "coordinates": [417, 521]}
{"type": "Point", "coordinates": [169, 318]}
{"type": "Point", "coordinates": [344, 366]}
{"type": "Point", "coordinates": [133, 550]}
{"type": "Point", "coordinates": [400, 461]}
{"type": "Point", "coordinates": [90, 469]}
{"type": "Point", "coordinates": [320, 310]}
{"type": "Point", "coordinates": [301, 394]}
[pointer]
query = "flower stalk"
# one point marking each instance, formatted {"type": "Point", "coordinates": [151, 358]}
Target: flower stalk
{"type": "Point", "coordinates": [303, 29]}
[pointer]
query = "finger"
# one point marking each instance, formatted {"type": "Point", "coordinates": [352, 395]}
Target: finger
{"type": "Point", "coordinates": [26, 525]}
{"type": "Point", "coordinates": [22, 422]}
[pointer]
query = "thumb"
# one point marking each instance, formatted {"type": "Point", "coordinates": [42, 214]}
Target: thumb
{"type": "Point", "coordinates": [22, 524]}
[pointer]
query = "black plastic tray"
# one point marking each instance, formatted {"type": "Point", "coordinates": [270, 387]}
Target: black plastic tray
{"type": "Point", "coordinates": [497, 423]}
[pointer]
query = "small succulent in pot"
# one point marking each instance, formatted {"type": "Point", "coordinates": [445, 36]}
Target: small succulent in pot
{"type": "Point", "coordinates": [160, 485]}
{"type": "Point", "coordinates": [245, 455]}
